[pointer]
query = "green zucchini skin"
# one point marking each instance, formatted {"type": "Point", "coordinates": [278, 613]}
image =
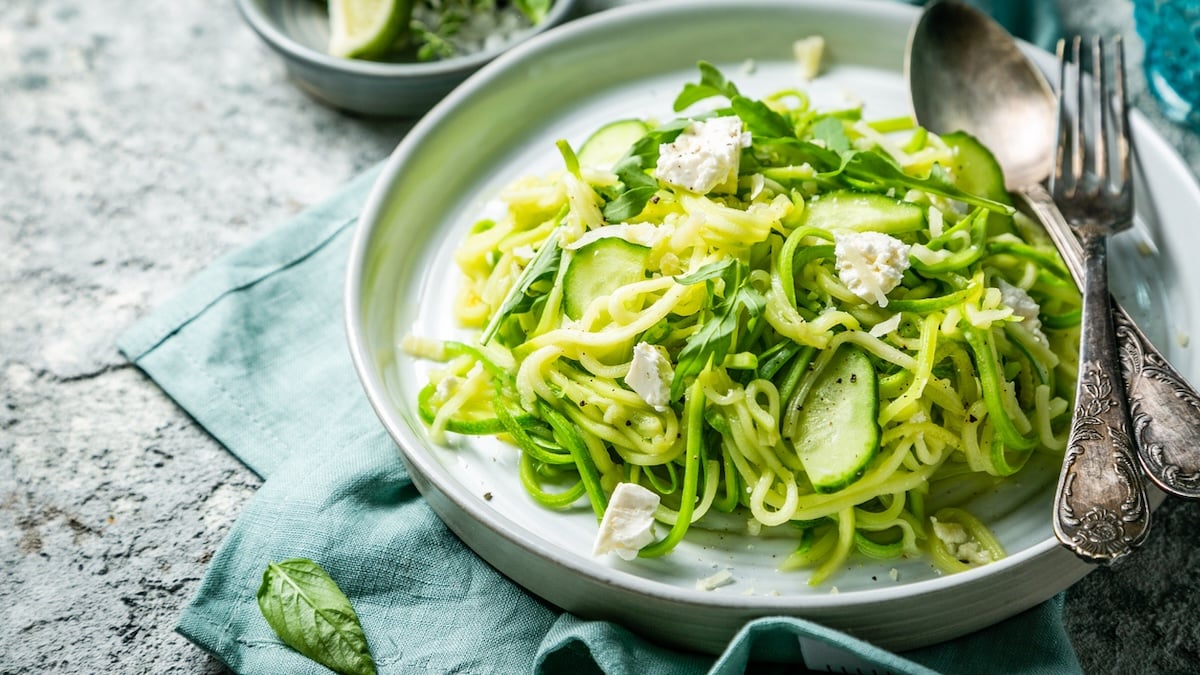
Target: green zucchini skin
{"type": "Point", "coordinates": [863, 211]}
{"type": "Point", "coordinates": [837, 432]}
{"type": "Point", "coordinates": [598, 268]}
{"type": "Point", "coordinates": [977, 171]}
{"type": "Point", "coordinates": [610, 142]}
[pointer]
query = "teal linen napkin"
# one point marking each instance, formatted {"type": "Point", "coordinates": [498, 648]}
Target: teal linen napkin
{"type": "Point", "coordinates": [254, 349]}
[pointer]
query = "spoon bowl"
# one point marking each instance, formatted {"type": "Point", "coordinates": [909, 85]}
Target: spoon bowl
{"type": "Point", "coordinates": [965, 72]}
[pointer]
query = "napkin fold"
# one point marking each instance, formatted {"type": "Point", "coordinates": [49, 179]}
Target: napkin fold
{"type": "Point", "coordinates": [254, 349]}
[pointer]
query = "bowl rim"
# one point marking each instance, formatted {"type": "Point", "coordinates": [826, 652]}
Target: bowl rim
{"type": "Point", "coordinates": [253, 13]}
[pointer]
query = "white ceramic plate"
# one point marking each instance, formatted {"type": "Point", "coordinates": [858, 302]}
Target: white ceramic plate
{"type": "Point", "coordinates": [631, 62]}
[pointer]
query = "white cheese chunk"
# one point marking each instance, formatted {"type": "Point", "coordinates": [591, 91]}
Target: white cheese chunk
{"type": "Point", "coordinates": [1023, 306]}
{"type": "Point", "coordinates": [704, 157]}
{"type": "Point", "coordinates": [960, 544]}
{"type": "Point", "coordinates": [870, 264]}
{"type": "Point", "coordinates": [888, 325]}
{"type": "Point", "coordinates": [447, 387]}
{"type": "Point", "coordinates": [628, 523]}
{"type": "Point", "coordinates": [808, 52]}
{"type": "Point", "coordinates": [650, 375]}
{"type": "Point", "coordinates": [717, 580]}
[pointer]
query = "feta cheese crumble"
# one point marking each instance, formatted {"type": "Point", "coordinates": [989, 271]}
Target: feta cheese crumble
{"type": "Point", "coordinates": [715, 581]}
{"type": "Point", "coordinates": [808, 52]}
{"type": "Point", "coordinates": [888, 325]}
{"type": "Point", "coordinates": [628, 523]}
{"type": "Point", "coordinates": [960, 544]}
{"type": "Point", "coordinates": [870, 264]}
{"type": "Point", "coordinates": [1023, 306]}
{"type": "Point", "coordinates": [704, 157]}
{"type": "Point", "coordinates": [650, 375]}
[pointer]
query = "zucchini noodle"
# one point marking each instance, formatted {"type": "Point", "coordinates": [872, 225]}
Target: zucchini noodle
{"type": "Point", "coordinates": [690, 329]}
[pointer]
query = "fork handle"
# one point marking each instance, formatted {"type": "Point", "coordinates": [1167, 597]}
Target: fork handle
{"type": "Point", "coordinates": [1101, 511]}
{"type": "Point", "coordinates": [1164, 408]}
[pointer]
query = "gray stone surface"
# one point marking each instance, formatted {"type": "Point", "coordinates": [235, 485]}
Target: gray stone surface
{"type": "Point", "coordinates": [140, 141]}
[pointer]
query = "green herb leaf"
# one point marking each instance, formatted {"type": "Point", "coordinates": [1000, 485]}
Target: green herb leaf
{"type": "Point", "coordinates": [760, 120]}
{"type": "Point", "coordinates": [715, 338]}
{"type": "Point", "coordinates": [631, 169]}
{"type": "Point", "coordinates": [830, 131]}
{"type": "Point", "coordinates": [535, 10]}
{"type": "Point", "coordinates": [520, 298]}
{"type": "Point", "coordinates": [712, 83]}
{"type": "Point", "coordinates": [711, 271]}
{"type": "Point", "coordinates": [880, 169]}
{"type": "Point", "coordinates": [308, 611]}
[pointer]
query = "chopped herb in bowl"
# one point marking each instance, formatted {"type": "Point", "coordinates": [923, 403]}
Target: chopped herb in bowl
{"type": "Point", "coordinates": [427, 30]}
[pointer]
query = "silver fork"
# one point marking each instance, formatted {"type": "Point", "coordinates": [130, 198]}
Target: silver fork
{"type": "Point", "coordinates": [1101, 510]}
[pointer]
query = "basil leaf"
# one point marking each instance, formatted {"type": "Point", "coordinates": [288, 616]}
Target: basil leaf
{"type": "Point", "coordinates": [307, 610]}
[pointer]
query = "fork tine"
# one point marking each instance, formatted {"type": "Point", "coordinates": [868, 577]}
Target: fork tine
{"type": "Point", "coordinates": [1124, 145]}
{"type": "Point", "coordinates": [1069, 153]}
{"type": "Point", "coordinates": [1078, 143]}
{"type": "Point", "coordinates": [1102, 123]}
{"type": "Point", "coordinates": [1061, 153]}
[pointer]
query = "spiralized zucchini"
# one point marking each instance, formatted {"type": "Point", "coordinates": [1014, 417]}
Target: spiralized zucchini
{"type": "Point", "coordinates": [743, 295]}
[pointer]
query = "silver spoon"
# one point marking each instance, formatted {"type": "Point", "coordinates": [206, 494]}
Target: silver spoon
{"type": "Point", "coordinates": [965, 72]}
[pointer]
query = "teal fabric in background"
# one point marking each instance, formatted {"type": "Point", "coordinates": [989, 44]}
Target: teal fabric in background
{"type": "Point", "coordinates": [254, 349]}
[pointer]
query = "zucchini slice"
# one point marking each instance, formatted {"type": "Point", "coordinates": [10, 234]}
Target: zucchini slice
{"type": "Point", "coordinates": [599, 268]}
{"type": "Point", "coordinates": [610, 142]}
{"type": "Point", "coordinates": [837, 432]}
{"type": "Point", "coordinates": [977, 171]}
{"type": "Point", "coordinates": [863, 211]}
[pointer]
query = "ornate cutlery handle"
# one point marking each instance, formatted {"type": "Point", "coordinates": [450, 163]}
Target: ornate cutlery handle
{"type": "Point", "coordinates": [1100, 510]}
{"type": "Point", "coordinates": [1164, 408]}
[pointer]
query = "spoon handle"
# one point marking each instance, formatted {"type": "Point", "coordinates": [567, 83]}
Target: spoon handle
{"type": "Point", "coordinates": [1100, 510]}
{"type": "Point", "coordinates": [1165, 409]}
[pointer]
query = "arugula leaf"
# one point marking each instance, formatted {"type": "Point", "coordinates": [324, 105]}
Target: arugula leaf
{"type": "Point", "coordinates": [794, 152]}
{"type": "Point", "coordinates": [519, 299]}
{"type": "Point", "coordinates": [830, 131]}
{"type": "Point", "coordinates": [881, 169]}
{"type": "Point", "coordinates": [631, 169]}
{"type": "Point", "coordinates": [715, 337]}
{"type": "Point", "coordinates": [711, 271]}
{"type": "Point", "coordinates": [712, 83]}
{"type": "Point", "coordinates": [307, 610]}
{"type": "Point", "coordinates": [760, 120]}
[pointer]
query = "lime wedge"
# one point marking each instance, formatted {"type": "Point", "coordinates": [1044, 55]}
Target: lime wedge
{"type": "Point", "coordinates": [366, 28]}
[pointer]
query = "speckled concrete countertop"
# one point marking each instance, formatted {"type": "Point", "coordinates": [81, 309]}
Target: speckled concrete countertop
{"type": "Point", "coordinates": [138, 144]}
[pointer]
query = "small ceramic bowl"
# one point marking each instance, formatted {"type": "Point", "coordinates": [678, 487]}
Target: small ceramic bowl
{"type": "Point", "coordinates": [299, 30]}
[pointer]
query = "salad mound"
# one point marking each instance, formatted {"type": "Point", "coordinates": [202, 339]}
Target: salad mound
{"type": "Point", "coordinates": [804, 320]}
